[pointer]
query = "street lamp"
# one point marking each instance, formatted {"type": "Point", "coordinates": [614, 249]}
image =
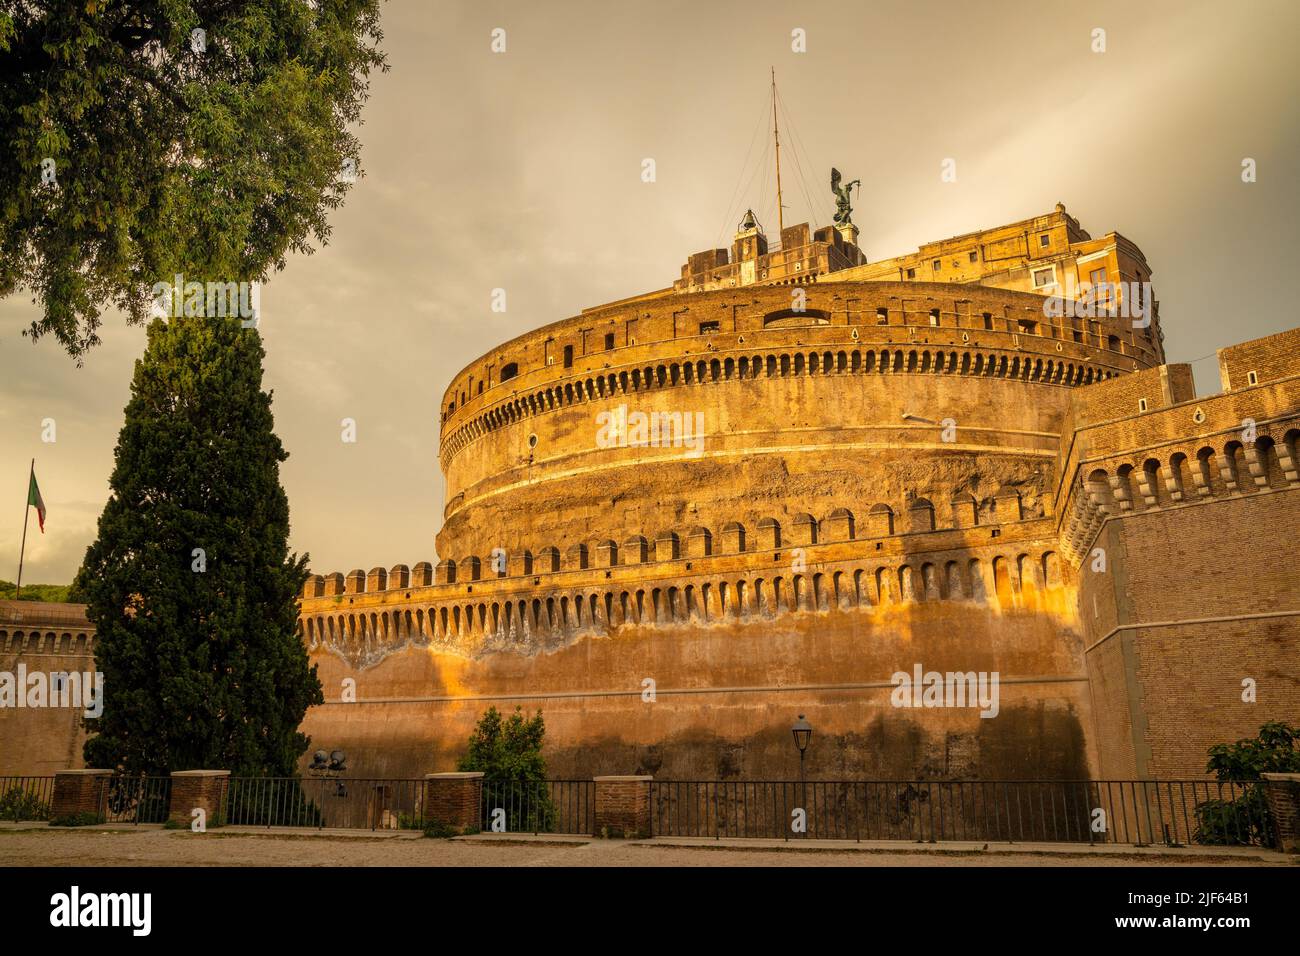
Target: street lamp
{"type": "Point", "coordinates": [802, 731]}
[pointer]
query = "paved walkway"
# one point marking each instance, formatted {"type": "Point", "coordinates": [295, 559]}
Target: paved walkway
{"type": "Point", "coordinates": [39, 845]}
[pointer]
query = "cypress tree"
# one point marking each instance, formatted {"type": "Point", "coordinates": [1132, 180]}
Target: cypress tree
{"type": "Point", "coordinates": [190, 583]}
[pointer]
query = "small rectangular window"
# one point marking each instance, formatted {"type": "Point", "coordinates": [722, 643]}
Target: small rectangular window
{"type": "Point", "coordinates": [1027, 326]}
{"type": "Point", "coordinates": [937, 265]}
{"type": "Point", "coordinates": [974, 257]}
{"type": "Point", "coordinates": [1044, 277]}
{"type": "Point", "coordinates": [706, 327]}
{"type": "Point", "coordinates": [1142, 404]}
{"type": "Point", "coordinates": [609, 341]}
{"type": "Point", "coordinates": [934, 316]}
{"type": "Point", "coordinates": [1252, 378]}
{"type": "Point", "coordinates": [1044, 240]}
{"type": "Point", "coordinates": [911, 273]}
{"type": "Point", "coordinates": [988, 321]}
{"type": "Point", "coordinates": [882, 316]}
{"type": "Point", "coordinates": [568, 356]}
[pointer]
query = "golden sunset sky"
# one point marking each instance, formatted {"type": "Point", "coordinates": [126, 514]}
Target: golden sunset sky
{"type": "Point", "coordinates": [522, 171]}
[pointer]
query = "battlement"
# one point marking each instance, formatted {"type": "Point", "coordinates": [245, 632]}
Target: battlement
{"type": "Point", "coordinates": [1147, 441]}
{"type": "Point", "coordinates": [30, 628]}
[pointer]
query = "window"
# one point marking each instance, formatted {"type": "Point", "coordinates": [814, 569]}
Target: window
{"type": "Point", "coordinates": [1044, 277]}
{"type": "Point", "coordinates": [609, 341]}
{"type": "Point", "coordinates": [934, 316]}
{"type": "Point", "coordinates": [1142, 404]}
{"type": "Point", "coordinates": [974, 257]}
{"type": "Point", "coordinates": [911, 273]}
{"type": "Point", "coordinates": [1044, 240]}
{"type": "Point", "coordinates": [706, 327]}
{"type": "Point", "coordinates": [480, 388]}
{"type": "Point", "coordinates": [1252, 378]}
{"type": "Point", "coordinates": [568, 357]}
{"type": "Point", "coordinates": [937, 265]}
{"type": "Point", "coordinates": [988, 321]}
{"type": "Point", "coordinates": [1027, 326]}
{"type": "Point", "coordinates": [882, 316]}
{"type": "Point", "coordinates": [509, 371]}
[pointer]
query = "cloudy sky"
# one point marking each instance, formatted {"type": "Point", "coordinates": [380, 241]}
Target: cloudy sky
{"type": "Point", "coordinates": [522, 170]}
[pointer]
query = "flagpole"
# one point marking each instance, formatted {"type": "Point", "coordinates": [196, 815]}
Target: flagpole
{"type": "Point", "coordinates": [27, 507]}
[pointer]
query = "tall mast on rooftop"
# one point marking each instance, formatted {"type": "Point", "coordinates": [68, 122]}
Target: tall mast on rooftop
{"type": "Point", "coordinates": [776, 135]}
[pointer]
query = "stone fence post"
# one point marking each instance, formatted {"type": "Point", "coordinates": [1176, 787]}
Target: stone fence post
{"type": "Point", "coordinates": [623, 807]}
{"type": "Point", "coordinates": [454, 798]}
{"type": "Point", "coordinates": [197, 790]}
{"type": "Point", "coordinates": [1283, 791]}
{"type": "Point", "coordinates": [80, 791]}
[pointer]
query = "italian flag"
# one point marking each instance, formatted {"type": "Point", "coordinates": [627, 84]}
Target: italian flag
{"type": "Point", "coordinates": [34, 500]}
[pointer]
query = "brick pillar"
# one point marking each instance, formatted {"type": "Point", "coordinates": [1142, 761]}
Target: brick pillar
{"type": "Point", "coordinates": [197, 789]}
{"type": "Point", "coordinates": [623, 806]}
{"type": "Point", "coordinates": [453, 798]}
{"type": "Point", "coordinates": [80, 791]}
{"type": "Point", "coordinates": [1283, 791]}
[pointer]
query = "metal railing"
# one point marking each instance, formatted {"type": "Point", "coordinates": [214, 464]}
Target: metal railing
{"type": "Point", "coordinates": [135, 799]}
{"type": "Point", "coordinates": [25, 798]}
{"type": "Point", "coordinates": [1132, 812]}
{"type": "Point", "coordinates": [1136, 812]}
{"type": "Point", "coordinates": [344, 802]}
{"type": "Point", "coordinates": [538, 806]}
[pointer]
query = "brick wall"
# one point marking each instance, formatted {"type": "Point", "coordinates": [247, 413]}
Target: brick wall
{"type": "Point", "coordinates": [622, 806]}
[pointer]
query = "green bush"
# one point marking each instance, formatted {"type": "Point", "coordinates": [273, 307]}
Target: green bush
{"type": "Point", "coordinates": [18, 804]}
{"type": "Point", "coordinates": [508, 752]}
{"type": "Point", "coordinates": [437, 830]}
{"type": "Point", "coordinates": [83, 819]}
{"type": "Point", "coordinates": [1245, 820]}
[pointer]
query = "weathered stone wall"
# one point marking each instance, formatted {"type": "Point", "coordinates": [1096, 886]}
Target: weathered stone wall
{"type": "Point", "coordinates": [48, 638]}
{"type": "Point", "coordinates": [1183, 520]}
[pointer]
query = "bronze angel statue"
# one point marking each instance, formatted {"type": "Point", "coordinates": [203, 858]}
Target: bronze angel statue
{"type": "Point", "coordinates": [843, 209]}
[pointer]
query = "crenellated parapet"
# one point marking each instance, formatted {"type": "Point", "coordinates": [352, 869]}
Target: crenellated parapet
{"type": "Point", "coordinates": [31, 628]}
{"type": "Point", "coordinates": [530, 607]}
{"type": "Point", "coordinates": [1147, 442]}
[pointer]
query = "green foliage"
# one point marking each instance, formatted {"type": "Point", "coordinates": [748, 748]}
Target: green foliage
{"type": "Point", "coordinates": [214, 163]}
{"type": "Point", "coordinates": [437, 830]}
{"type": "Point", "coordinates": [202, 668]}
{"type": "Point", "coordinates": [36, 592]}
{"type": "Point", "coordinates": [83, 819]}
{"type": "Point", "coordinates": [508, 752]}
{"type": "Point", "coordinates": [1245, 819]}
{"type": "Point", "coordinates": [1275, 750]}
{"type": "Point", "coordinates": [19, 804]}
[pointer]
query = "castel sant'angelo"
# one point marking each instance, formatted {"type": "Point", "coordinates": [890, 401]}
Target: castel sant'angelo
{"type": "Point", "coordinates": [677, 521]}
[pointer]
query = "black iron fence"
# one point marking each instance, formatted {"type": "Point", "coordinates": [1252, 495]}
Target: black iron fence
{"type": "Point", "coordinates": [538, 806]}
{"type": "Point", "coordinates": [1169, 812]}
{"type": "Point", "coordinates": [25, 798]}
{"type": "Point", "coordinates": [346, 802]}
{"type": "Point", "coordinates": [135, 799]}
{"type": "Point", "coordinates": [1136, 812]}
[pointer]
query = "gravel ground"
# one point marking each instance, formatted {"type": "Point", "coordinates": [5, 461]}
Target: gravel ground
{"type": "Point", "coordinates": [157, 847]}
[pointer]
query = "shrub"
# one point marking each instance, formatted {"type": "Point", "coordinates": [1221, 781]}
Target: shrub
{"type": "Point", "coordinates": [18, 804]}
{"type": "Point", "coordinates": [1245, 820]}
{"type": "Point", "coordinates": [508, 752]}
{"type": "Point", "coordinates": [82, 819]}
